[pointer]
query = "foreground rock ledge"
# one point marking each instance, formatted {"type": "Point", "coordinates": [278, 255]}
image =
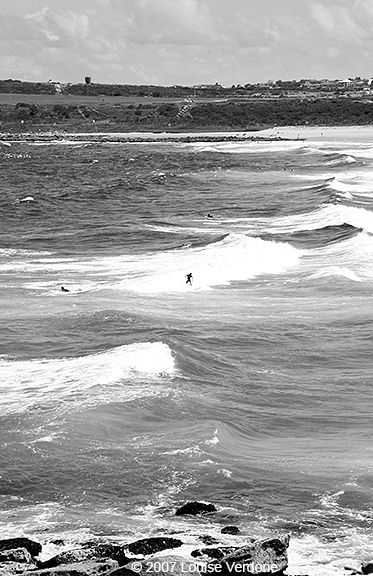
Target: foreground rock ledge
{"type": "Point", "coordinates": [260, 557]}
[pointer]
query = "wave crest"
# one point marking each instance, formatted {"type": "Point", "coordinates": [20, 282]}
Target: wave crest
{"type": "Point", "coordinates": [26, 383]}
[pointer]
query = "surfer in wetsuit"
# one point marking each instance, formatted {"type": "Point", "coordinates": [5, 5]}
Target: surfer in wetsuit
{"type": "Point", "coordinates": [63, 289]}
{"type": "Point", "coordinates": [189, 278]}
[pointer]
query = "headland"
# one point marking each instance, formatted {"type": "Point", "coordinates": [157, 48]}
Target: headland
{"type": "Point", "coordinates": [68, 113]}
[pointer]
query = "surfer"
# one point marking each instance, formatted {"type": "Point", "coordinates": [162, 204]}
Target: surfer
{"type": "Point", "coordinates": [63, 289]}
{"type": "Point", "coordinates": [189, 278]}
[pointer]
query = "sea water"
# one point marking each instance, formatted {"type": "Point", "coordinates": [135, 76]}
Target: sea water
{"type": "Point", "coordinates": [136, 392]}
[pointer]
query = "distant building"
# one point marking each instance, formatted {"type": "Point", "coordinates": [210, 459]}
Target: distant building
{"type": "Point", "coordinates": [57, 86]}
{"type": "Point", "coordinates": [208, 86]}
{"type": "Point", "coordinates": [347, 83]}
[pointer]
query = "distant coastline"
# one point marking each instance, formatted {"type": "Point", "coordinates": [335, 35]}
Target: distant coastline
{"type": "Point", "coordinates": [325, 134]}
{"type": "Point", "coordinates": [138, 137]}
{"type": "Point", "coordinates": [36, 114]}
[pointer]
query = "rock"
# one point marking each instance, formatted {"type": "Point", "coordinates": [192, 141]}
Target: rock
{"type": "Point", "coordinates": [67, 557]}
{"type": "Point", "coordinates": [208, 540]}
{"type": "Point", "coordinates": [162, 566]}
{"type": "Point", "coordinates": [113, 551]}
{"type": "Point", "coordinates": [91, 551]}
{"type": "Point", "coordinates": [353, 569]}
{"type": "Point", "coordinates": [123, 571]}
{"type": "Point", "coordinates": [10, 568]}
{"type": "Point", "coordinates": [213, 553]}
{"type": "Point", "coordinates": [107, 550]}
{"type": "Point", "coordinates": [367, 568]}
{"type": "Point", "coordinates": [92, 568]}
{"type": "Point", "coordinates": [16, 555]}
{"type": "Point", "coordinates": [259, 557]}
{"type": "Point", "coordinates": [11, 543]}
{"type": "Point", "coordinates": [230, 530]}
{"type": "Point", "coordinates": [195, 508]}
{"type": "Point", "coordinates": [153, 545]}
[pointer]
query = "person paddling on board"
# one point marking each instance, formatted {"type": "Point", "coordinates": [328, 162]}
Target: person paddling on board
{"type": "Point", "coordinates": [189, 278]}
{"type": "Point", "coordinates": [63, 289]}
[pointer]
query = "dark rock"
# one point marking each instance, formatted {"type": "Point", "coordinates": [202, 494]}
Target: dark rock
{"type": "Point", "coordinates": [93, 551]}
{"type": "Point", "coordinates": [367, 568]}
{"type": "Point", "coordinates": [195, 508]}
{"type": "Point", "coordinates": [162, 566]}
{"type": "Point", "coordinates": [113, 551]}
{"type": "Point", "coordinates": [213, 553]}
{"type": "Point", "coordinates": [262, 557]}
{"type": "Point", "coordinates": [122, 572]}
{"type": "Point", "coordinates": [230, 530]}
{"type": "Point", "coordinates": [153, 545]}
{"type": "Point", "coordinates": [196, 553]}
{"type": "Point", "coordinates": [67, 557]}
{"type": "Point", "coordinates": [78, 569]}
{"type": "Point", "coordinates": [353, 569]}
{"type": "Point", "coordinates": [208, 540]}
{"type": "Point", "coordinates": [16, 555]}
{"type": "Point", "coordinates": [11, 543]}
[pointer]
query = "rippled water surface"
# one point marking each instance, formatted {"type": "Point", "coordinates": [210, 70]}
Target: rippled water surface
{"type": "Point", "coordinates": [134, 392]}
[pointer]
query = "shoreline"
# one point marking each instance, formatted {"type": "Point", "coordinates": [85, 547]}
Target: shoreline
{"type": "Point", "coordinates": [326, 134]}
{"type": "Point", "coordinates": [140, 137]}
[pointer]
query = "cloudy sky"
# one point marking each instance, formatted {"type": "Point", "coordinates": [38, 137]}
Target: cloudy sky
{"type": "Point", "coordinates": [185, 41]}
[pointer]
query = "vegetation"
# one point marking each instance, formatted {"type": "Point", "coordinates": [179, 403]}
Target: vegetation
{"type": "Point", "coordinates": [19, 87]}
{"type": "Point", "coordinates": [280, 88]}
{"type": "Point", "coordinates": [43, 109]}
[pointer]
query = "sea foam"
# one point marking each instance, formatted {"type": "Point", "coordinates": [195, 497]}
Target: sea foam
{"type": "Point", "coordinates": [27, 383]}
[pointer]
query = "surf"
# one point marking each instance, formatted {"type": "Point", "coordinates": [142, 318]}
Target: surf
{"type": "Point", "coordinates": [86, 380]}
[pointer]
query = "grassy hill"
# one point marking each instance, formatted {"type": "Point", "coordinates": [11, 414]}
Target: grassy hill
{"type": "Point", "coordinates": [84, 113]}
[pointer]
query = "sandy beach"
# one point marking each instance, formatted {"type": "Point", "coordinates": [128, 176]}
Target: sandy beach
{"type": "Point", "coordinates": [322, 133]}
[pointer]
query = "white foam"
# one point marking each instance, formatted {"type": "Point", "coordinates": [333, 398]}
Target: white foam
{"type": "Point", "coordinates": [351, 258]}
{"type": "Point", "coordinates": [337, 271]}
{"type": "Point", "coordinates": [363, 186]}
{"type": "Point", "coordinates": [28, 383]}
{"type": "Point", "coordinates": [313, 556]}
{"type": "Point", "coordinates": [360, 150]}
{"type": "Point", "coordinates": [326, 215]}
{"type": "Point", "coordinates": [235, 257]}
{"type": "Point", "coordinates": [256, 146]}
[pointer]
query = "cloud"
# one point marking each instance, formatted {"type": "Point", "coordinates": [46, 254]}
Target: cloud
{"type": "Point", "coordinates": [57, 24]}
{"type": "Point", "coordinates": [337, 20]}
{"type": "Point", "coordinates": [186, 41]}
{"type": "Point", "coordinates": [159, 22]}
{"type": "Point", "coordinates": [323, 17]}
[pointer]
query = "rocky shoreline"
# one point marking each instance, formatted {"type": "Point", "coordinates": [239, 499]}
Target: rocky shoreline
{"type": "Point", "coordinates": [164, 555]}
{"type": "Point", "coordinates": [93, 137]}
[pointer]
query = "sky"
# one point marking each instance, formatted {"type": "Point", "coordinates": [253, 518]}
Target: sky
{"type": "Point", "coordinates": [186, 42]}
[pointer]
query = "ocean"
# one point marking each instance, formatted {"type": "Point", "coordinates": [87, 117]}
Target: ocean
{"type": "Point", "coordinates": [135, 392]}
